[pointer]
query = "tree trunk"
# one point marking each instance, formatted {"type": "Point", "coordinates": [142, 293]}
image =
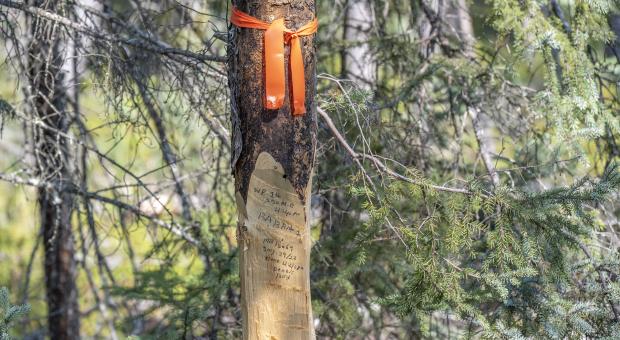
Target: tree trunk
{"type": "Point", "coordinates": [482, 123]}
{"type": "Point", "coordinates": [460, 19]}
{"type": "Point", "coordinates": [613, 49]}
{"type": "Point", "coordinates": [272, 163]}
{"type": "Point", "coordinates": [358, 62]}
{"type": "Point", "coordinates": [49, 100]}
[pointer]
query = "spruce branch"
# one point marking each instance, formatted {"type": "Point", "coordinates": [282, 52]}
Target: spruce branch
{"type": "Point", "coordinates": [9, 313]}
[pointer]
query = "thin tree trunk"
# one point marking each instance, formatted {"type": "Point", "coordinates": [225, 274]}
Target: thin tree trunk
{"type": "Point", "coordinates": [272, 164]}
{"type": "Point", "coordinates": [482, 124]}
{"type": "Point", "coordinates": [613, 48]}
{"type": "Point", "coordinates": [358, 62]}
{"type": "Point", "coordinates": [461, 21]}
{"type": "Point", "coordinates": [49, 101]}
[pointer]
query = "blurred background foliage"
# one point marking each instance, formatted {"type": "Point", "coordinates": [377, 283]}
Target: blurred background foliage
{"type": "Point", "coordinates": [475, 194]}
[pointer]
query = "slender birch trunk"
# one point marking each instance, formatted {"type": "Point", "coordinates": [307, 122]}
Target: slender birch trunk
{"type": "Point", "coordinates": [358, 62]}
{"type": "Point", "coordinates": [272, 163]}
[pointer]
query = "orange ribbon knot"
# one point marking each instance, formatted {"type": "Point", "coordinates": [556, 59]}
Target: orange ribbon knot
{"type": "Point", "coordinates": [276, 35]}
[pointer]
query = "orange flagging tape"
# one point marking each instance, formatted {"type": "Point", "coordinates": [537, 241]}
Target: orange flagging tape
{"type": "Point", "coordinates": [276, 35]}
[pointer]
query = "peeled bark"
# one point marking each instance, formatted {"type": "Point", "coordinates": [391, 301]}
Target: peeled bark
{"type": "Point", "coordinates": [272, 163]}
{"type": "Point", "coordinates": [49, 100]}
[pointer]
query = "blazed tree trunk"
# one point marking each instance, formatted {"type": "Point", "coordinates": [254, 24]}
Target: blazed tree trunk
{"type": "Point", "coordinates": [49, 101]}
{"type": "Point", "coordinates": [272, 163]}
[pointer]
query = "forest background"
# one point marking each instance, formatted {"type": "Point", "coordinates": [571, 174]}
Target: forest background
{"type": "Point", "coordinates": [465, 181]}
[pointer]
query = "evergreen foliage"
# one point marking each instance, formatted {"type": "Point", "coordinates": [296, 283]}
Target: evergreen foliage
{"type": "Point", "coordinates": [413, 236]}
{"type": "Point", "coordinates": [512, 252]}
{"type": "Point", "coordinates": [515, 260]}
{"type": "Point", "coordinates": [9, 314]}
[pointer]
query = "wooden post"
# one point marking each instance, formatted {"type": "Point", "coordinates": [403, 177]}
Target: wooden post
{"type": "Point", "coordinates": [272, 163]}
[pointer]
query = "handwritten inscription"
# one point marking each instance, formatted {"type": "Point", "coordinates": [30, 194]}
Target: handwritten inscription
{"type": "Point", "coordinates": [275, 255]}
{"type": "Point", "coordinates": [278, 239]}
{"type": "Point", "coordinates": [277, 222]}
{"type": "Point", "coordinates": [281, 258]}
{"type": "Point", "coordinates": [277, 211]}
{"type": "Point", "coordinates": [273, 199]}
{"type": "Point", "coordinates": [273, 222]}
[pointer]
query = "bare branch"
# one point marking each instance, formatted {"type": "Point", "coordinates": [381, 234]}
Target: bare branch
{"type": "Point", "coordinates": [377, 162]}
{"type": "Point", "coordinates": [144, 43]}
{"type": "Point", "coordinates": [173, 227]}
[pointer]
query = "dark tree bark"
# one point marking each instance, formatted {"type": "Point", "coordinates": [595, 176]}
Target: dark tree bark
{"type": "Point", "coordinates": [48, 95]}
{"type": "Point", "coordinates": [272, 163]}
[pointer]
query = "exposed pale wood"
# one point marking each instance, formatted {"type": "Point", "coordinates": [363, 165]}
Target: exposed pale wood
{"type": "Point", "coordinates": [274, 242]}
